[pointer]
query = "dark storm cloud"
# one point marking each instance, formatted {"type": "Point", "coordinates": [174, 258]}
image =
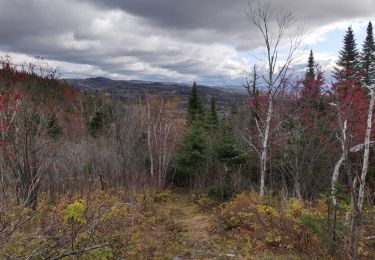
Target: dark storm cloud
{"type": "Point", "coordinates": [171, 39]}
{"type": "Point", "coordinates": [226, 19]}
{"type": "Point", "coordinates": [186, 15]}
{"type": "Point", "coordinates": [228, 14]}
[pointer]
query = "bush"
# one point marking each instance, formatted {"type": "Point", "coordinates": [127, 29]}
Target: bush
{"type": "Point", "coordinates": [75, 213]}
{"type": "Point", "coordinates": [251, 225]}
{"type": "Point", "coordinates": [206, 202]}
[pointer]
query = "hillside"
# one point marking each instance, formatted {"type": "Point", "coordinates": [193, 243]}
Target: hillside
{"type": "Point", "coordinates": [131, 90]}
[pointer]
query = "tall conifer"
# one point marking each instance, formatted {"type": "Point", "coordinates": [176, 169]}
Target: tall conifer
{"type": "Point", "coordinates": [192, 154]}
{"type": "Point", "coordinates": [195, 108]}
{"type": "Point", "coordinates": [310, 72]}
{"type": "Point", "coordinates": [368, 57]}
{"type": "Point", "coordinates": [348, 65]}
{"type": "Point", "coordinates": [212, 115]}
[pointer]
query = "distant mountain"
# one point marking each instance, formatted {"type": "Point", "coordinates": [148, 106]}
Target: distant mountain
{"type": "Point", "coordinates": [132, 90]}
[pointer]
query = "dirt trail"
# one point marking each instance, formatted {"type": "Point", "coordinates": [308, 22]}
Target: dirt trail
{"type": "Point", "coordinates": [197, 237]}
{"type": "Point", "coordinates": [196, 226]}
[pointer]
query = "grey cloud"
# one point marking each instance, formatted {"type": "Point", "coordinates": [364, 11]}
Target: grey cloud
{"type": "Point", "coordinates": [228, 15]}
{"type": "Point", "coordinates": [151, 38]}
{"type": "Point", "coordinates": [225, 20]}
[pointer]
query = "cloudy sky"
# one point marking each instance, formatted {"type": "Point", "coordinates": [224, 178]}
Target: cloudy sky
{"type": "Point", "coordinates": [210, 41]}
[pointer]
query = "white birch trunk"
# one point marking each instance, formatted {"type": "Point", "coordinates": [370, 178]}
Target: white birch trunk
{"type": "Point", "coordinates": [336, 171]}
{"type": "Point", "coordinates": [357, 208]}
{"type": "Point", "coordinates": [366, 155]}
{"type": "Point", "coordinates": [263, 158]}
{"type": "Point", "coordinates": [335, 177]}
{"type": "Point", "coordinates": [149, 140]}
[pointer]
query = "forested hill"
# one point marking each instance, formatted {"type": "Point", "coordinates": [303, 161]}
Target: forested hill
{"type": "Point", "coordinates": [129, 90]}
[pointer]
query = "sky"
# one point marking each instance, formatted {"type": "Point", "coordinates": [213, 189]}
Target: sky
{"type": "Point", "coordinates": [209, 41]}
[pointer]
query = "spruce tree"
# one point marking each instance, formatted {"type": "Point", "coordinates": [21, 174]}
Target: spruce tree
{"type": "Point", "coordinates": [228, 154]}
{"type": "Point", "coordinates": [225, 148]}
{"type": "Point", "coordinates": [212, 115]}
{"type": "Point", "coordinates": [312, 81]}
{"type": "Point", "coordinates": [368, 57]}
{"type": "Point", "coordinates": [192, 154]}
{"type": "Point", "coordinates": [195, 108]}
{"type": "Point", "coordinates": [193, 150]}
{"type": "Point", "coordinates": [54, 130]}
{"type": "Point", "coordinates": [191, 157]}
{"type": "Point", "coordinates": [348, 66]}
{"type": "Point", "coordinates": [310, 72]}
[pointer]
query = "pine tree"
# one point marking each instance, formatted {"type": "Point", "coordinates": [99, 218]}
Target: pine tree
{"type": "Point", "coordinates": [368, 57]}
{"type": "Point", "coordinates": [212, 115]}
{"type": "Point", "coordinates": [348, 66]}
{"type": "Point", "coordinates": [195, 108]}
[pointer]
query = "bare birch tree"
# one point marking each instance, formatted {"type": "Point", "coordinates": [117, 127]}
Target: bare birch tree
{"type": "Point", "coordinates": [358, 197]}
{"type": "Point", "coordinates": [278, 30]}
{"type": "Point", "coordinates": [162, 133]}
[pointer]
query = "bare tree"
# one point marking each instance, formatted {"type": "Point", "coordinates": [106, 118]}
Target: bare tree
{"type": "Point", "coordinates": [278, 30]}
{"type": "Point", "coordinates": [162, 134]}
{"type": "Point", "coordinates": [357, 208]}
{"type": "Point", "coordinates": [25, 146]}
{"type": "Point", "coordinates": [131, 147]}
{"type": "Point", "coordinates": [356, 182]}
{"type": "Point", "coordinates": [342, 136]}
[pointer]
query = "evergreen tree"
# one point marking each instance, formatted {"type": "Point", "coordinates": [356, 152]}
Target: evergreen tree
{"type": "Point", "coordinates": [310, 72]}
{"type": "Point", "coordinates": [193, 152]}
{"type": "Point", "coordinates": [195, 108]}
{"type": "Point", "coordinates": [368, 57]}
{"type": "Point", "coordinates": [100, 121]}
{"type": "Point", "coordinates": [212, 115]}
{"type": "Point", "coordinates": [212, 139]}
{"type": "Point", "coordinates": [53, 128]}
{"type": "Point", "coordinates": [348, 66]}
{"type": "Point", "coordinates": [226, 144]}
{"type": "Point", "coordinates": [312, 82]}
{"type": "Point", "coordinates": [229, 155]}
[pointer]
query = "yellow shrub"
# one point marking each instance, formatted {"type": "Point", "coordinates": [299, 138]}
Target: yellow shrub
{"type": "Point", "coordinates": [75, 213]}
{"type": "Point", "coordinates": [266, 210]}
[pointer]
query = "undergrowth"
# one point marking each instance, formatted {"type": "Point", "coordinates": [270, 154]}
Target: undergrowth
{"type": "Point", "coordinates": [251, 226]}
{"type": "Point", "coordinates": [100, 226]}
